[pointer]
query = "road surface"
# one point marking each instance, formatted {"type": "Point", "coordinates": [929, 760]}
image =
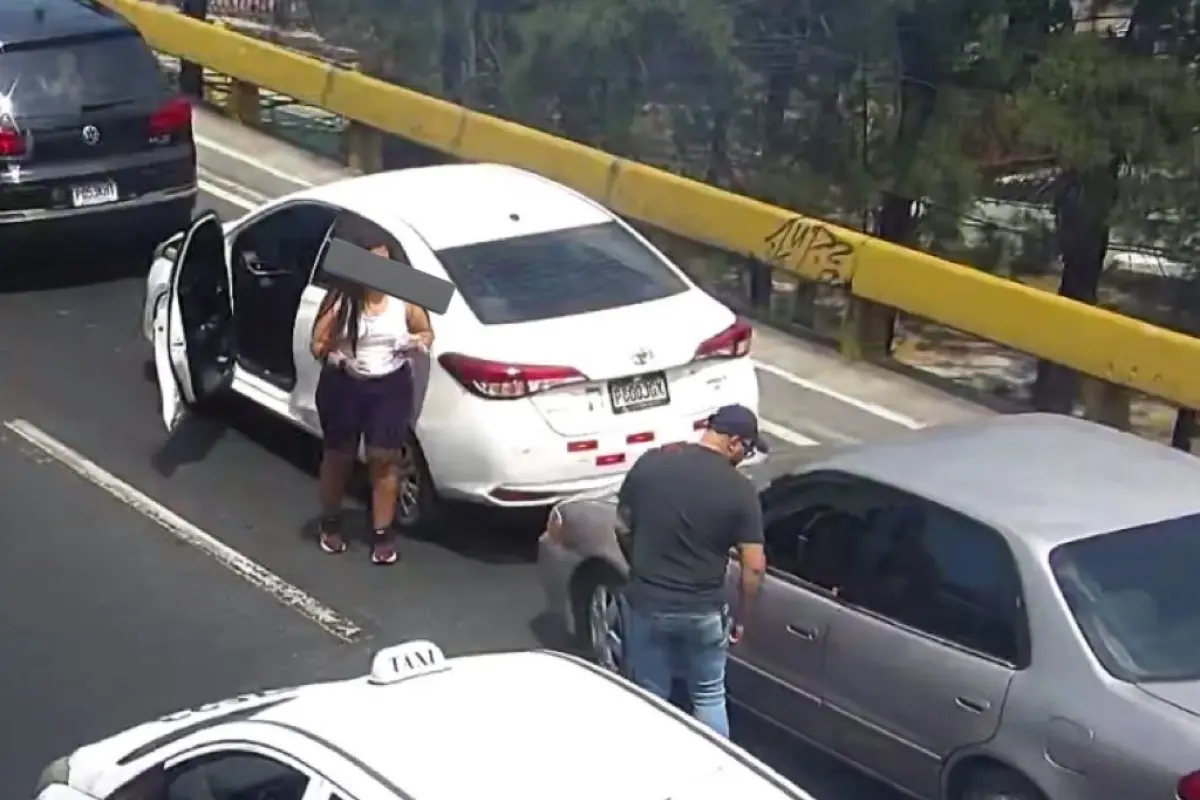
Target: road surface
{"type": "Point", "coordinates": [110, 617]}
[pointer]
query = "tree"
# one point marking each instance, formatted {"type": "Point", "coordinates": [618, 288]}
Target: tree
{"type": "Point", "coordinates": [1117, 112]}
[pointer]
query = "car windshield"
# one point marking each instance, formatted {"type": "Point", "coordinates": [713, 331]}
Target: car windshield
{"type": "Point", "coordinates": [62, 77]}
{"type": "Point", "coordinates": [1135, 596]}
{"type": "Point", "coordinates": [558, 274]}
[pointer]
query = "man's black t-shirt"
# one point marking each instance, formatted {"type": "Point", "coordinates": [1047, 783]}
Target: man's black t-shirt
{"type": "Point", "coordinates": [686, 506]}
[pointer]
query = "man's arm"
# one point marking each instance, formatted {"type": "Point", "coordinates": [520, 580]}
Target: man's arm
{"type": "Point", "coordinates": [753, 558]}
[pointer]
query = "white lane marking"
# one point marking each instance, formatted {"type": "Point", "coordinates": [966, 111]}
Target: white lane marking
{"type": "Point", "coordinates": [213, 178]}
{"type": "Point", "coordinates": [246, 568]}
{"type": "Point", "coordinates": [258, 164]}
{"type": "Point", "coordinates": [208, 187]}
{"type": "Point", "coordinates": [862, 405]}
{"type": "Point", "coordinates": [786, 434]}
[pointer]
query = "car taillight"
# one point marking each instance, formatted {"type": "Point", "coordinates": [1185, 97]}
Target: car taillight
{"type": "Point", "coordinates": [496, 380]}
{"type": "Point", "coordinates": [173, 117]}
{"type": "Point", "coordinates": [1188, 787]}
{"type": "Point", "coordinates": [12, 143]}
{"type": "Point", "coordinates": [733, 342]}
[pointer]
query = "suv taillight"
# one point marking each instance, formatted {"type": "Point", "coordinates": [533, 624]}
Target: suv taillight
{"type": "Point", "coordinates": [496, 380]}
{"type": "Point", "coordinates": [1188, 787]}
{"type": "Point", "coordinates": [173, 117]}
{"type": "Point", "coordinates": [733, 342]}
{"type": "Point", "coordinates": [12, 143]}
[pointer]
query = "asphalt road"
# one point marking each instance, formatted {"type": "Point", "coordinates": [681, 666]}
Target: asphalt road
{"type": "Point", "coordinates": [106, 619]}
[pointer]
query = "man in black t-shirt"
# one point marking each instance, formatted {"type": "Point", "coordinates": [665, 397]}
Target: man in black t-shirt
{"type": "Point", "coordinates": [681, 509]}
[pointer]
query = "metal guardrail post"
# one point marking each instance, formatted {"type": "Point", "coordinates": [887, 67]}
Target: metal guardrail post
{"type": "Point", "coordinates": [866, 331]}
{"type": "Point", "coordinates": [244, 103]}
{"type": "Point", "coordinates": [1106, 403]}
{"type": "Point", "coordinates": [191, 75]}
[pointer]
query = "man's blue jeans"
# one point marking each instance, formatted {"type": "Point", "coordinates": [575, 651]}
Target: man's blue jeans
{"type": "Point", "coordinates": [660, 647]}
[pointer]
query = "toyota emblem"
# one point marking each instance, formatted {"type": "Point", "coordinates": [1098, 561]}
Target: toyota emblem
{"type": "Point", "coordinates": [91, 135]}
{"type": "Point", "coordinates": [641, 357]}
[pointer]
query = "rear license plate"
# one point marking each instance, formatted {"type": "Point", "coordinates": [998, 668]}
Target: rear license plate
{"type": "Point", "coordinates": [93, 194]}
{"type": "Point", "coordinates": [639, 392]}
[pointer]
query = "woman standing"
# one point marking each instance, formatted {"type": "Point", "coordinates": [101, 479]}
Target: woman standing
{"type": "Point", "coordinates": [365, 394]}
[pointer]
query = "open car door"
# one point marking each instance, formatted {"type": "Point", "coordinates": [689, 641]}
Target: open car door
{"type": "Point", "coordinates": [194, 336]}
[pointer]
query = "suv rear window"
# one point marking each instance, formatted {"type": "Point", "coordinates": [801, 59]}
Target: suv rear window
{"type": "Point", "coordinates": [1136, 599]}
{"type": "Point", "coordinates": [60, 77]}
{"type": "Point", "coordinates": [558, 274]}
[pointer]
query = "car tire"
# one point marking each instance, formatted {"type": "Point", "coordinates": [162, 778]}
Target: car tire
{"type": "Point", "coordinates": [419, 510]}
{"type": "Point", "coordinates": [997, 783]}
{"type": "Point", "coordinates": [599, 627]}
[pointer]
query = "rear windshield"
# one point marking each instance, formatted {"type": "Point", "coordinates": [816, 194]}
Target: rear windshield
{"type": "Point", "coordinates": [557, 274]}
{"type": "Point", "coordinates": [65, 76]}
{"type": "Point", "coordinates": [1135, 596]}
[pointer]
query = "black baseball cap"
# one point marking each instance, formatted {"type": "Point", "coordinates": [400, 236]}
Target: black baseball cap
{"type": "Point", "coordinates": [741, 423]}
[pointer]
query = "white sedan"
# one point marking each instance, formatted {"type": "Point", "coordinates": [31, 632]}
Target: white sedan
{"type": "Point", "coordinates": [507, 726]}
{"type": "Point", "coordinates": [570, 347]}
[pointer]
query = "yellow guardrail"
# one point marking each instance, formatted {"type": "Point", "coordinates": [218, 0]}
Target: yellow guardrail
{"type": "Point", "coordinates": [1105, 345]}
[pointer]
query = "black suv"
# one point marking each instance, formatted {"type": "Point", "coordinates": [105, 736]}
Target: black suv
{"type": "Point", "coordinates": [94, 138]}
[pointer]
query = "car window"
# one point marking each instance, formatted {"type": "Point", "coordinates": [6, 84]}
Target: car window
{"type": "Point", "coordinates": [558, 274]}
{"type": "Point", "coordinates": [814, 529]}
{"type": "Point", "coordinates": [235, 776]}
{"type": "Point", "coordinates": [364, 233]}
{"type": "Point", "coordinates": [1135, 596]}
{"type": "Point", "coordinates": [288, 239]}
{"type": "Point", "coordinates": [61, 77]}
{"type": "Point", "coordinates": [940, 572]}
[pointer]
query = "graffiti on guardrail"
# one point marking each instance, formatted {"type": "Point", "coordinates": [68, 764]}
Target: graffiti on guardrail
{"type": "Point", "coordinates": [811, 248]}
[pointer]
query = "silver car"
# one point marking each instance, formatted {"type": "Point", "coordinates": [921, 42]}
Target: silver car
{"type": "Point", "coordinates": [1005, 610]}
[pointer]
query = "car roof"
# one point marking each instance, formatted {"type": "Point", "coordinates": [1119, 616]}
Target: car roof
{"type": "Point", "coordinates": [1042, 477]}
{"type": "Point", "coordinates": [20, 23]}
{"type": "Point", "coordinates": [533, 725]}
{"type": "Point", "coordinates": [452, 205]}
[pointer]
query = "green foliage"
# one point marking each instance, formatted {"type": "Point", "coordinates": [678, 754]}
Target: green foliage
{"type": "Point", "coordinates": [827, 106]}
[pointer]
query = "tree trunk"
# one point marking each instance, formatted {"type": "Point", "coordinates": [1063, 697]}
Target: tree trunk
{"type": "Point", "coordinates": [921, 74]}
{"type": "Point", "coordinates": [1083, 203]}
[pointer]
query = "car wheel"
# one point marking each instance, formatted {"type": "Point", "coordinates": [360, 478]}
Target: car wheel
{"type": "Point", "coordinates": [598, 619]}
{"type": "Point", "coordinates": [418, 508]}
{"type": "Point", "coordinates": [992, 783]}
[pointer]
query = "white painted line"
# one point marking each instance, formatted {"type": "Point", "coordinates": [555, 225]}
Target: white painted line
{"type": "Point", "coordinates": [249, 570]}
{"type": "Point", "coordinates": [863, 405]}
{"type": "Point", "coordinates": [232, 185]}
{"type": "Point", "coordinates": [208, 187]}
{"type": "Point", "coordinates": [258, 164]}
{"type": "Point", "coordinates": [786, 434]}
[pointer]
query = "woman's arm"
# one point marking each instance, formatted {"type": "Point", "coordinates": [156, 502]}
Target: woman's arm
{"type": "Point", "coordinates": [324, 338]}
{"type": "Point", "coordinates": [419, 325]}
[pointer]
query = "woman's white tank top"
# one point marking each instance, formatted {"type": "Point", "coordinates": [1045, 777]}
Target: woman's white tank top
{"type": "Point", "coordinates": [382, 337]}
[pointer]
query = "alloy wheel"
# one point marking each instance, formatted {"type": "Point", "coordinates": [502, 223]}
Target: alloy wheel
{"type": "Point", "coordinates": [408, 490]}
{"type": "Point", "coordinates": [604, 628]}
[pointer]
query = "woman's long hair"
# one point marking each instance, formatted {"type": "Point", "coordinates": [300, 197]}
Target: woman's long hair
{"type": "Point", "coordinates": [350, 298]}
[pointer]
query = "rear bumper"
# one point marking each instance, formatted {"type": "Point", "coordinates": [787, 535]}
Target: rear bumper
{"type": "Point", "coordinates": [504, 454]}
{"type": "Point", "coordinates": [146, 204]}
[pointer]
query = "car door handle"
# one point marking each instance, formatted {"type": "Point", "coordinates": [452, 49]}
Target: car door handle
{"type": "Point", "coordinates": [973, 706]}
{"type": "Point", "coordinates": [808, 634]}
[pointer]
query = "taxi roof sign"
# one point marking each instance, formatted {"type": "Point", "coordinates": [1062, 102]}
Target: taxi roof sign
{"type": "Point", "coordinates": [403, 661]}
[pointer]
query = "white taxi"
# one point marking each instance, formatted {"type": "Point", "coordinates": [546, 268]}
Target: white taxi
{"type": "Point", "coordinates": [527, 726]}
{"type": "Point", "coordinates": [570, 347]}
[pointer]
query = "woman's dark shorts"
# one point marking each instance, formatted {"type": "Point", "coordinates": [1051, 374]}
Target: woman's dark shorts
{"type": "Point", "coordinates": [376, 411]}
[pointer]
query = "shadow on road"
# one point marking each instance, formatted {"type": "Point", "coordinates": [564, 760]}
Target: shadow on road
{"type": "Point", "coordinates": [65, 265]}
